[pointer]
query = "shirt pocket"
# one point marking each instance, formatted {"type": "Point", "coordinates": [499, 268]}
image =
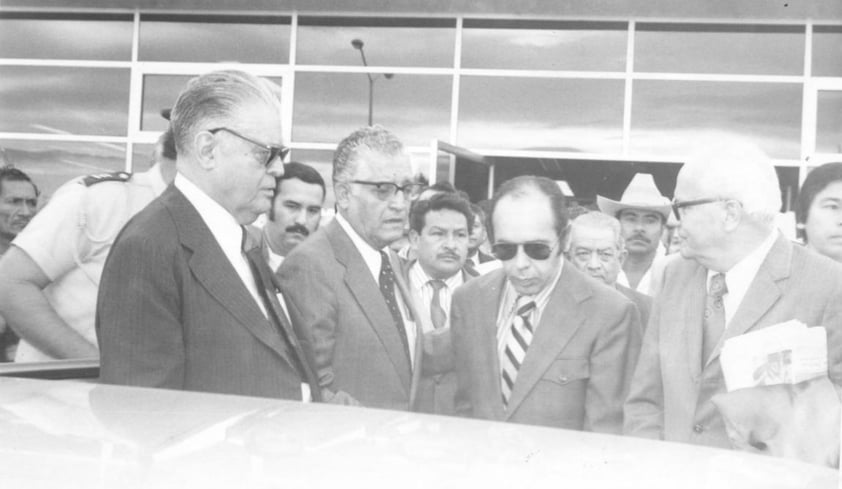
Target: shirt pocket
{"type": "Point", "coordinates": [564, 371]}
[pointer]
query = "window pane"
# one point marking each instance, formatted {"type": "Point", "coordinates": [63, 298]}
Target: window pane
{"type": "Point", "coordinates": [329, 106]}
{"type": "Point", "coordinates": [541, 114]}
{"type": "Point", "coordinates": [194, 38]}
{"type": "Point", "coordinates": [386, 42]}
{"type": "Point", "coordinates": [671, 118]}
{"type": "Point", "coordinates": [52, 163]}
{"type": "Point", "coordinates": [829, 122]}
{"type": "Point", "coordinates": [695, 48]}
{"type": "Point", "coordinates": [532, 45]}
{"type": "Point", "coordinates": [64, 100]}
{"type": "Point", "coordinates": [100, 37]}
{"type": "Point", "coordinates": [827, 50]}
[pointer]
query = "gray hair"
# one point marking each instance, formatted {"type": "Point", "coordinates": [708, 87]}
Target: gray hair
{"type": "Point", "coordinates": [598, 220]}
{"type": "Point", "coordinates": [376, 138]}
{"type": "Point", "coordinates": [216, 96]}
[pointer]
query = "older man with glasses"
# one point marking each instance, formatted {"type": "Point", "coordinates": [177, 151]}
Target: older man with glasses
{"type": "Point", "coordinates": [343, 282]}
{"type": "Point", "coordinates": [537, 342]}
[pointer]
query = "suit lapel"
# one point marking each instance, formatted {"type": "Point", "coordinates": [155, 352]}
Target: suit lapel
{"type": "Point", "coordinates": [485, 310]}
{"type": "Point", "coordinates": [215, 273]}
{"type": "Point", "coordinates": [366, 292]}
{"type": "Point", "coordinates": [692, 326]}
{"type": "Point", "coordinates": [559, 322]}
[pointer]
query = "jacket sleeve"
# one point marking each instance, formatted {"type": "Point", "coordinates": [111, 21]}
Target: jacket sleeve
{"type": "Point", "coordinates": [644, 408]}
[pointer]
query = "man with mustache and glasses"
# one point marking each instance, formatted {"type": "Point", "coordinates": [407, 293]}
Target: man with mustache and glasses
{"type": "Point", "coordinates": [439, 236]}
{"type": "Point", "coordinates": [296, 211]}
{"type": "Point", "coordinates": [537, 342]}
{"type": "Point", "coordinates": [643, 213]}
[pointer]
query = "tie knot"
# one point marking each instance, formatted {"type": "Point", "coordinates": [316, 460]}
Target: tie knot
{"type": "Point", "coordinates": [436, 284]}
{"type": "Point", "coordinates": [525, 306]}
{"type": "Point", "coordinates": [718, 287]}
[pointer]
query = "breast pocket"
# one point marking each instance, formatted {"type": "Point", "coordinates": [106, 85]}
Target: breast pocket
{"type": "Point", "coordinates": [566, 371]}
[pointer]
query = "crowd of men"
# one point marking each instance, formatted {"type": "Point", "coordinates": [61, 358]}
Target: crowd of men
{"type": "Point", "coordinates": [508, 311]}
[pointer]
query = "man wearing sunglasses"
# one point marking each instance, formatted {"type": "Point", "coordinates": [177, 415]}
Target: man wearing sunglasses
{"type": "Point", "coordinates": [537, 342]}
{"type": "Point", "coordinates": [344, 284]}
{"type": "Point", "coordinates": [186, 301]}
{"type": "Point", "coordinates": [739, 274]}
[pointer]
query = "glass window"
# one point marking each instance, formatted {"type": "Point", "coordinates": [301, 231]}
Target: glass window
{"type": "Point", "coordinates": [52, 163]}
{"type": "Point", "coordinates": [672, 118]}
{"type": "Point", "coordinates": [90, 101]}
{"type": "Point", "coordinates": [541, 114]}
{"type": "Point", "coordinates": [540, 45]}
{"type": "Point", "coordinates": [329, 106]}
{"type": "Point", "coordinates": [827, 50]}
{"type": "Point", "coordinates": [385, 42]}
{"type": "Point", "coordinates": [66, 36]}
{"type": "Point", "coordinates": [829, 121]}
{"type": "Point", "coordinates": [733, 48]}
{"type": "Point", "coordinates": [205, 38]}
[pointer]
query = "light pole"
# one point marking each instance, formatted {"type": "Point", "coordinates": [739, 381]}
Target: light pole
{"type": "Point", "coordinates": [358, 45]}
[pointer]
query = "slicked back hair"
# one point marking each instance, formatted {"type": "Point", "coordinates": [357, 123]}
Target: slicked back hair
{"type": "Point", "coordinates": [420, 208]}
{"type": "Point", "coordinates": [376, 138]}
{"type": "Point", "coordinates": [599, 220]}
{"type": "Point", "coordinates": [525, 185]}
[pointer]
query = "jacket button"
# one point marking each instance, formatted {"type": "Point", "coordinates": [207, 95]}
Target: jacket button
{"type": "Point", "coordinates": [698, 428]}
{"type": "Point", "coordinates": [563, 379]}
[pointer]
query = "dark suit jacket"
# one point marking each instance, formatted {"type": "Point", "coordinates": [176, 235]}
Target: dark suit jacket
{"type": "Point", "coordinates": [673, 385]}
{"type": "Point", "coordinates": [576, 368]}
{"type": "Point", "coordinates": [172, 312]}
{"type": "Point", "coordinates": [332, 294]}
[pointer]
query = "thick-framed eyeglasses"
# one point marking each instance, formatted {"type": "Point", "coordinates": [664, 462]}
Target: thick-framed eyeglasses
{"type": "Point", "coordinates": [387, 190]}
{"type": "Point", "coordinates": [274, 151]}
{"type": "Point", "coordinates": [677, 205]}
{"type": "Point", "coordinates": [536, 251]}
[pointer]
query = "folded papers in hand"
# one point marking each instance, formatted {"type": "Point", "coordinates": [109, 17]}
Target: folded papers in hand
{"type": "Point", "coordinates": [786, 353]}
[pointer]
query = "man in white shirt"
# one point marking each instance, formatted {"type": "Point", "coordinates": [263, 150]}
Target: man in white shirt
{"type": "Point", "coordinates": [186, 302]}
{"type": "Point", "coordinates": [737, 274]}
{"type": "Point", "coordinates": [343, 283]}
{"type": "Point", "coordinates": [296, 211]}
{"type": "Point", "coordinates": [439, 237]}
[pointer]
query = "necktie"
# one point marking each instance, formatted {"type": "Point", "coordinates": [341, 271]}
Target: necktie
{"type": "Point", "coordinates": [387, 288]}
{"type": "Point", "coordinates": [714, 321]}
{"type": "Point", "coordinates": [471, 268]}
{"type": "Point", "coordinates": [437, 314]}
{"type": "Point", "coordinates": [520, 336]}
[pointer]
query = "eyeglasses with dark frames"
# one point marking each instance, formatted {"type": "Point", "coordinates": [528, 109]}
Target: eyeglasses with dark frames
{"type": "Point", "coordinates": [387, 190]}
{"type": "Point", "coordinates": [274, 151]}
{"type": "Point", "coordinates": [536, 251]}
{"type": "Point", "coordinates": [677, 205]}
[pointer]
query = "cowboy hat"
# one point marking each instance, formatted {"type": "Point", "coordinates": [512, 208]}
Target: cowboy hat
{"type": "Point", "coordinates": [640, 194]}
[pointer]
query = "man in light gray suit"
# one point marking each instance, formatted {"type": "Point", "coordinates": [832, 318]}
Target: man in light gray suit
{"type": "Point", "coordinates": [344, 285]}
{"type": "Point", "coordinates": [738, 274]}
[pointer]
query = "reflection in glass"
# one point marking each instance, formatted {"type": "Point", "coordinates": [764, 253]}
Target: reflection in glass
{"type": "Point", "coordinates": [827, 50]}
{"type": "Point", "coordinates": [329, 106]}
{"type": "Point", "coordinates": [733, 48]}
{"type": "Point", "coordinates": [829, 122]}
{"type": "Point", "coordinates": [541, 114]}
{"type": "Point", "coordinates": [52, 163]}
{"type": "Point", "coordinates": [66, 36]}
{"type": "Point", "coordinates": [538, 45]}
{"type": "Point", "coordinates": [85, 101]}
{"type": "Point", "coordinates": [201, 38]}
{"type": "Point", "coordinates": [388, 42]}
{"type": "Point", "coordinates": [671, 118]}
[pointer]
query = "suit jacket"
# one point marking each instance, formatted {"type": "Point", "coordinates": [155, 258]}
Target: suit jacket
{"type": "Point", "coordinates": [358, 350]}
{"type": "Point", "coordinates": [642, 301]}
{"type": "Point", "coordinates": [673, 385]}
{"type": "Point", "coordinates": [575, 370]}
{"type": "Point", "coordinates": [172, 312]}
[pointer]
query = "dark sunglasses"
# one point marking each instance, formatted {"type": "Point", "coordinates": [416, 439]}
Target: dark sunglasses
{"type": "Point", "coordinates": [536, 251]}
{"type": "Point", "coordinates": [274, 151]}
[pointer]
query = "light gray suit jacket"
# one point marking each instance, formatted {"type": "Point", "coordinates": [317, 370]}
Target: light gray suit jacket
{"type": "Point", "coordinates": [331, 292]}
{"type": "Point", "coordinates": [576, 369]}
{"type": "Point", "coordinates": [673, 385]}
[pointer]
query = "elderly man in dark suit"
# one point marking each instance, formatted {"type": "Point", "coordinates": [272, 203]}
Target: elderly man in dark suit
{"type": "Point", "coordinates": [342, 282]}
{"type": "Point", "coordinates": [181, 305]}
{"type": "Point", "coordinates": [737, 274]}
{"type": "Point", "coordinates": [537, 342]}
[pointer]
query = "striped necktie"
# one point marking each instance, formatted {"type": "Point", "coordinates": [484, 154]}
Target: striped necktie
{"type": "Point", "coordinates": [520, 335]}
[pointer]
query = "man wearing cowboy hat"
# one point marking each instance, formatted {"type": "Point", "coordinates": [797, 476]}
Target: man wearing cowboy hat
{"type": "Point", "coordinates": [643, 212]}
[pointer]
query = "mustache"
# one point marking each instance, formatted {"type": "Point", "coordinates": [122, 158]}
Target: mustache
{"type": "Point", "coordinates": [639, 236]}
{"type": "Point", "coordinates": [298, 228]}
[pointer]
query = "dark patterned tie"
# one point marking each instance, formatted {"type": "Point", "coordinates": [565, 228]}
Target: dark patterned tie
{"type": "Point", "coordinates": [520, 337]}
{"type": "Point", "coordinates": [437, 314]}
{"type": "Point", "coordinates": [714, 320]}
{"type": "Point", "coordinates": [387, 288]}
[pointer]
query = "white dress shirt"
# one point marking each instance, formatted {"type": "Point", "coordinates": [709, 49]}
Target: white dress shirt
{"type": "Point", "coordinates": [419, 282]}
{"type": "Point", "coordinates": [372, 260]}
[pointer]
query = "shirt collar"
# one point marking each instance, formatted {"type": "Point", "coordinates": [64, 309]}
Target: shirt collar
{"type": "Point", "coordinates": [223, 226]}
{"type": "Point", "coordinates": [421, 278]}
{"type": "Point", "coordinates": [739, 277]}
{"type": "Point", "coordinates": [370, 255]}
